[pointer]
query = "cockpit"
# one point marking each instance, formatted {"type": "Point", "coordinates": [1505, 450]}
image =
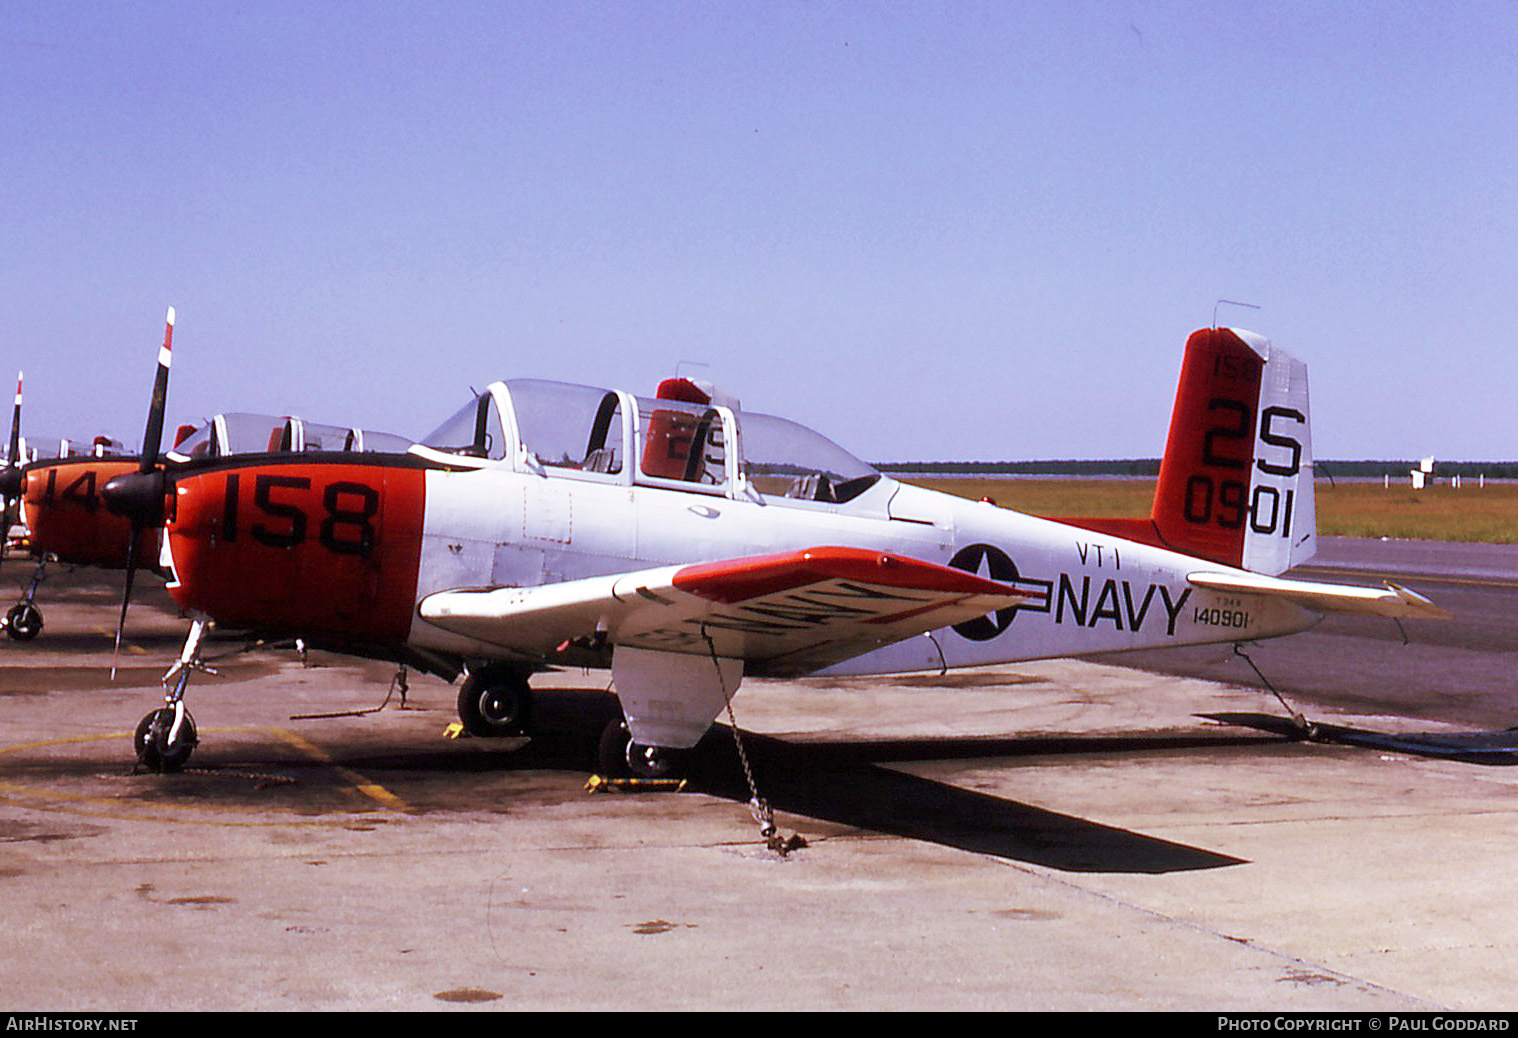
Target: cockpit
{"type": "Point", "coordinates": [242, 433]}
{"type": "Point", "coordinates": [687, 437]}
{"type": "Point", "coordinates": [41, 449]}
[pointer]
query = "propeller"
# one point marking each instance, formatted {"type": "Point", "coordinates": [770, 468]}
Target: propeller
{"type": "Point", "coordinates": [138, 496]}
{"type": "Point", "coordinates": [12, 480]}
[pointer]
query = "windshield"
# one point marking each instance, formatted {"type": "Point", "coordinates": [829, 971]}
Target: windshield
{"type": "Point", "coordinates": [474, 430]}
{"type": "Point", "coordinates": [199, 444]}
{"type": "Point", "coordinates": [784, 459]}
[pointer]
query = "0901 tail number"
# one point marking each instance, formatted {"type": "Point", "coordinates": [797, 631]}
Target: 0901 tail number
{"type": "Point", "coordinates": [1228, 502]}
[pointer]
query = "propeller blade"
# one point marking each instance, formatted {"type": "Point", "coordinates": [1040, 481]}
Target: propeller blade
{"type": "Point", "coordinates": [146, 504]}
{"type": "Point", "coordinates": [12, 480]}
{"type": "Point", "coordinates": [126, 598]}
{"type": "Point", "coordinates": [15, 454]}
{"type": "Point", "coordinates": [153, 434]}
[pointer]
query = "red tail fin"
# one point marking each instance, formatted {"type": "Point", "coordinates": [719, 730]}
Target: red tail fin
{"type": "Point", "coordinates": [1235, 484]}
{"type": "Point", "coordinates": [1201, 499]}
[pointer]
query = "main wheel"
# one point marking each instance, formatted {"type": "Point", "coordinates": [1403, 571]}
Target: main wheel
{"type": "Point", "coordinates": [494, 705]}
{"type": "Point", "coordinates": [154, 751]}
{"type": "Point", "coordinates": [618, 756]}
{"type": "Point", "coordinates": [23, 621]}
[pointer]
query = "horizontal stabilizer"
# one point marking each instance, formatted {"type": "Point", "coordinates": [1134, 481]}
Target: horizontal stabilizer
{"type": "Point", "coordinates": [1389, 600]}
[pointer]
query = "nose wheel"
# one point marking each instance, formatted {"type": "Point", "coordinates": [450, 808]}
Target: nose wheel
{"type": "Point", "coordinates": [165, 739]}
{"type": "Point", "coordinates": [23, 621]}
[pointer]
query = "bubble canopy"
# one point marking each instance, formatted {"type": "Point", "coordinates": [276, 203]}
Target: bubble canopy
{"type": "Point", "coordinates": [681, 442]}
{"type": "Point", "coordinates": [239, 432]}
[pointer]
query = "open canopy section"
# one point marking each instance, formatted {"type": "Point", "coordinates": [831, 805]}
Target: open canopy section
{"type": "Point", "coordinates": [684, 442]}
{"type": "Point", "coordinates": [682, 439]}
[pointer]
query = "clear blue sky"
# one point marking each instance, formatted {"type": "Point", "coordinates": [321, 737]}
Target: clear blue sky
{"type": "Point", "coordinates": [931, 230]}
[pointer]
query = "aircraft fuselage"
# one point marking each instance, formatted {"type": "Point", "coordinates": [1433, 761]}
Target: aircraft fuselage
{"type": "Point", "coordinates": [348, 549]}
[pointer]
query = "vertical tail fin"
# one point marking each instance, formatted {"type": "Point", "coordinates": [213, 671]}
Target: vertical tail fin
{"type": "Point", "coordinates": [1236, 482]}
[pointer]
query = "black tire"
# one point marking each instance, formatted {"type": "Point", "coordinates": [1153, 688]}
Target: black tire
{"type": "Point", "coordinates": [152, 735]}
{"type": "Point", "coordinates": [617, 756]}
{"type": "Point", "coordinates": [23, 621]}
{"type": "Point", "coordinates": [611, 751]}
{"type": "Point", "coordinates": [655, 762]}
{"type": "Point", "coordinates": [494, 705]}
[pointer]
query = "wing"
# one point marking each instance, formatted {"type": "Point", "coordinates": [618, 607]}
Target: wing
{"type": "Point", "coordinates": [785, 614]}
{"type": "Point", "coordinates": [1390, 600]}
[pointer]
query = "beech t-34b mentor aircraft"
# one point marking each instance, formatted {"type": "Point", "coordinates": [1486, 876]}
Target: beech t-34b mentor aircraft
{"type": "Point", "coordinates": [60, 497]}
{"type": "Point", "coordinates": [687, 544]}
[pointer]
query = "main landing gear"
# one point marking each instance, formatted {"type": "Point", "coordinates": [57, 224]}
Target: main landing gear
{"type": "Point", "coordinates": [166, 737]}
{"type": "Point", "coordinates": [618, 756]}
{"type": "Point", "coordinates": [495, 702]}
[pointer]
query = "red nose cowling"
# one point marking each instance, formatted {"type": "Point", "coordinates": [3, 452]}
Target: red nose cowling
{"type": "Point", "coordinates": [309, 548]}
{"type": "Point", "coordinates": [66, 512]}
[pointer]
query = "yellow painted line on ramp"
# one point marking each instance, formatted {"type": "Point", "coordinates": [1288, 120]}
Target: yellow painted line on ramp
{"type": "Point", "coordinates": [110, 632]}
{"type": "Point", "coordinates": [108, 806]}
{"type": "Point", "coordinates": [373, 790]}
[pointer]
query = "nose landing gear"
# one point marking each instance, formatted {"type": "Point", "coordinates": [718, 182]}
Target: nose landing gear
{"type": "Point", "coordinates": [166, 737]}
{"type": "Point", "coordinates": [23, 621]}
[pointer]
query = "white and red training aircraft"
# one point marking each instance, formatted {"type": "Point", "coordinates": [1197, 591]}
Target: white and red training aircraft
{"type": "Point", "coordinates": [687, 544]}
{"type": "Point", "coordinates": [54, 497]}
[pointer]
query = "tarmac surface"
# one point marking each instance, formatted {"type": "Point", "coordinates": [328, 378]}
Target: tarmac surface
{"type": "Point", "coordinates": [1053, 835]}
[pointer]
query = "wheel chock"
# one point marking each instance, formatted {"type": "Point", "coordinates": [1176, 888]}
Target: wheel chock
{"type": "Point", "coordinates": [454, 731]}
{"type": "Point", "coordinates": [600, 783]}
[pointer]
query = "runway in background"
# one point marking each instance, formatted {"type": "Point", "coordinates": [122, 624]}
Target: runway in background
{"type": "Point", "coordinates": [1463, 671]}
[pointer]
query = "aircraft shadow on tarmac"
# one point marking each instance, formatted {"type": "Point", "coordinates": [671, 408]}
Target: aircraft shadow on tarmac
{"type": "Point", "coordinates": [846, 783]}
{"type": "Point", "coordinates": [1491, 747]}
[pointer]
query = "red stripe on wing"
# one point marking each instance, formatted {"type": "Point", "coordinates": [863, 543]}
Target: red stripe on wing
{"type": "Point", "coordinates": [738, 580]}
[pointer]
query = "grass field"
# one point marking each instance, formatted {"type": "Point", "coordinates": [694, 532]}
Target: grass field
{"type": "Point", "coordinates": [1488, 514]}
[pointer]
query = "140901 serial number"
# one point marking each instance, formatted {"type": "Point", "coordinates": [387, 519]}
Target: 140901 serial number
{"type": "Point", "coordinates": [1211, 616]}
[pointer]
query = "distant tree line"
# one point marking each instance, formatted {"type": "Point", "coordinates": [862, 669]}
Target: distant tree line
{"type": "Point", "coordinates": [1130, 467]}
{"type": "Point", "coordinates": [1151, 467]}
{"type": "Point", "coordinates": [1363, 469]}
